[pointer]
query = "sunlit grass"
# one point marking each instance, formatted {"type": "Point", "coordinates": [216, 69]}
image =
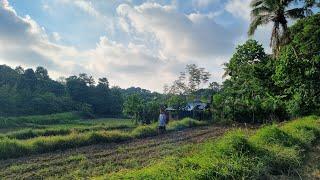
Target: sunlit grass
{"type": "Point", "coordinates": [36, 141]}
{"type": "Point", "coordinates": [237, 155]}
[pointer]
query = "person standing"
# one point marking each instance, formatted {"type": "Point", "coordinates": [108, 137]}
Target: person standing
{"type": "Point", "coordinates": [162, 121]}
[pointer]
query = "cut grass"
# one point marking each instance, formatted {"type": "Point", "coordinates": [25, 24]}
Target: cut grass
{"type": "Point", "coordinates": [11, 148]}
{"type": "Point", "coordinates": [271, 150]}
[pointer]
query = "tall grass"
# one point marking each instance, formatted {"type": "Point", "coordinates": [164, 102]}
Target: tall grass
{"type": "Point", "coordinates": [10, 148]}
{"type": "Point", "coordinates": [9, 122]}
{"type": "Point", "coordinates": [54, 131]}
{"type": "Point", "coordinates": [237, 155]}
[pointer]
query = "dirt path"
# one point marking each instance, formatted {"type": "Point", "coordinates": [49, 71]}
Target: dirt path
{"type": "Point", "coordinates": [100, 159]}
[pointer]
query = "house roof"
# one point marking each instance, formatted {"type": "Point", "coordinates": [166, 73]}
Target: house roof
{"type": "Point", "coordinates": [191, 106]}
{"type": "Point", "coordinates": [198, 105]}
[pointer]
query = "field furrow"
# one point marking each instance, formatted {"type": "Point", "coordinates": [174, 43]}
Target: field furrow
{"type": "Point", "coordinates": [100, 159]}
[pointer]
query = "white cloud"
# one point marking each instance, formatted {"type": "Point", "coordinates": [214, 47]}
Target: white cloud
{"type": "Point", "coordinates": [179, 36]}
{"type": "Point", "coordinates": [239, 8]}
{"type": "Point", "coordinates": [56, 36]}
{"type": "Point", "coordinates": [203, 3]}
{"type": "Point", "coordinates": [28, 44]}
{"type": "Point", "coordinates": [85, 6]}
{"type": "Point", "coordinates": [45, 7]}
{"type": "Point", "coordinates": [162, 42]}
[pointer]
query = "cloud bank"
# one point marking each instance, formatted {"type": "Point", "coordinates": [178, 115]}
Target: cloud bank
{"type": "Point", "coordinates": [159, 41]}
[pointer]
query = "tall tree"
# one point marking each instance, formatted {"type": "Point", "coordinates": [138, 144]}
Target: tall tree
{"type": "Point", "coordinates": [189, 81]}
{"type": "Point", "coordinates": [41, 73]}
{"type": "Point", "coordinates": [276, 12]}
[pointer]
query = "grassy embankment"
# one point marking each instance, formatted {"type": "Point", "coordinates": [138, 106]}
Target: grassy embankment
{"type": "Point", "coordinates": [25, 142]}
{"type": "Point", "coordinates": [271, 150]}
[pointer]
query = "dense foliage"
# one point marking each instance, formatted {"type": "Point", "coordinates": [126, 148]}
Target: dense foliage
{"type": "Point", "coordinates": [29, 92]}
{"type": "Point", "coordinates": [298, 68]}
{"type": "Point", "coordinates": [261, 88]}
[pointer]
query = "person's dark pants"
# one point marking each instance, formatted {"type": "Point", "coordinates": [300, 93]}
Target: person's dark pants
{"type": "Point", "coordinates": [161, 129]}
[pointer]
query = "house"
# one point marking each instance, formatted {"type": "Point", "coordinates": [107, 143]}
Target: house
{"type": "Point", "coordinates": [195, 109]}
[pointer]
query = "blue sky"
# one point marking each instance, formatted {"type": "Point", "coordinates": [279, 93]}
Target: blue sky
{"type": "Point", "coordinates": [142, 43]}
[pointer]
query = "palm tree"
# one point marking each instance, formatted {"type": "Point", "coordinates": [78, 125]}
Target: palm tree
{"type": "Point", "coordinates": [277, 12]}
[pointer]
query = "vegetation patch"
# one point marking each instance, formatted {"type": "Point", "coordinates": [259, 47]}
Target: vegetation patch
{"type": "Point", "coordinates": [185, 123]}
{"type": "Point", "coordinates": [23, 121]}
{"type": "Point", "coordinates": [271, 150]}
{"type": "Point", "coordinates": [11, 148]}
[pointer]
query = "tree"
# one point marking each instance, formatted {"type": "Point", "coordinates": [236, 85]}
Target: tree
{"type": "Point", "coordinates": [77, 89]}
{"type": "Point", "coordinates": [189, 81]}
{"type": "Point", "coordinates": [103, 82]}
{"type": "Point", "coordinates": [216, 87]}
{"type": "Point", "coordinates": [41, 73]}
{"type": "Point", "coordinates": [19, 70]}
{"type": "Point", "coordinates": [133, 107]}
{"type": "Point", "coordinates": [277, 12]}
{"type": "Point", "coordinates": [298, 68]}
{"type": "Point", "coordinates": [87, 79]}
{"type": "Point", "coordinates": [177, 102]}
{"type": "Point", "coordinates": [28, 81]}
{"type": "Point", "coordinates": [248, 85]}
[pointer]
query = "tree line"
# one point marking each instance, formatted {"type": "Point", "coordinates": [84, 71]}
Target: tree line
{"type": "Point", "coordinates": [32, 92]}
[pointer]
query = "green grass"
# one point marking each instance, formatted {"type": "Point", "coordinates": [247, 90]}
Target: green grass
{"type": "Point", "coordinates": [75, 126]}
{"type": "Point", "coordinates": [24, 121]}
{"type": "Point", "coordinates": [11, 148]}
{"type": "Point", "coordinates": [237, 155]}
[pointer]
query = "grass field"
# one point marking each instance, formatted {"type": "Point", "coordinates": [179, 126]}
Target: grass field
{"type": "Point", "coordinates": [119, 149]}
{"type": "Point", "coordinates": [73, 133]}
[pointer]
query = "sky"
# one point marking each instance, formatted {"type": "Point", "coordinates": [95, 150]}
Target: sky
{"type": "Point", "coordinates": [143, 43]}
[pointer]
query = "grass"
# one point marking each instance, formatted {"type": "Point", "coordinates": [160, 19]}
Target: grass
{"type": "Point", "coordinates": [24, 121]}
{"type": "Point", "coordinates": [12, 148]}
{"type": "Point", "coordinates": [78, 126]}
{"type": "Point", "coordinates": [237, 155]}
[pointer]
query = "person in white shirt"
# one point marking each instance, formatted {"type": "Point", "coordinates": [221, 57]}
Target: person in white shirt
{"type": "Point", "coordinates": [162, 121]}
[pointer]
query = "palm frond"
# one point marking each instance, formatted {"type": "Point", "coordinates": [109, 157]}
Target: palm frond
{"type": "Point", "coordinates": [260, 10]}
{"type": "Point", "coordinates": [257, 21]}
{"type": "Point", "coordinates": [255, 3]}
{"type": "Point", "coordinates": [295, 13]}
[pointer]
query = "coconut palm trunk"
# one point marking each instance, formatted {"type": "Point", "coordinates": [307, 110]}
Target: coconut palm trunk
{"type": "Point", "coordinates": [275, 11]}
